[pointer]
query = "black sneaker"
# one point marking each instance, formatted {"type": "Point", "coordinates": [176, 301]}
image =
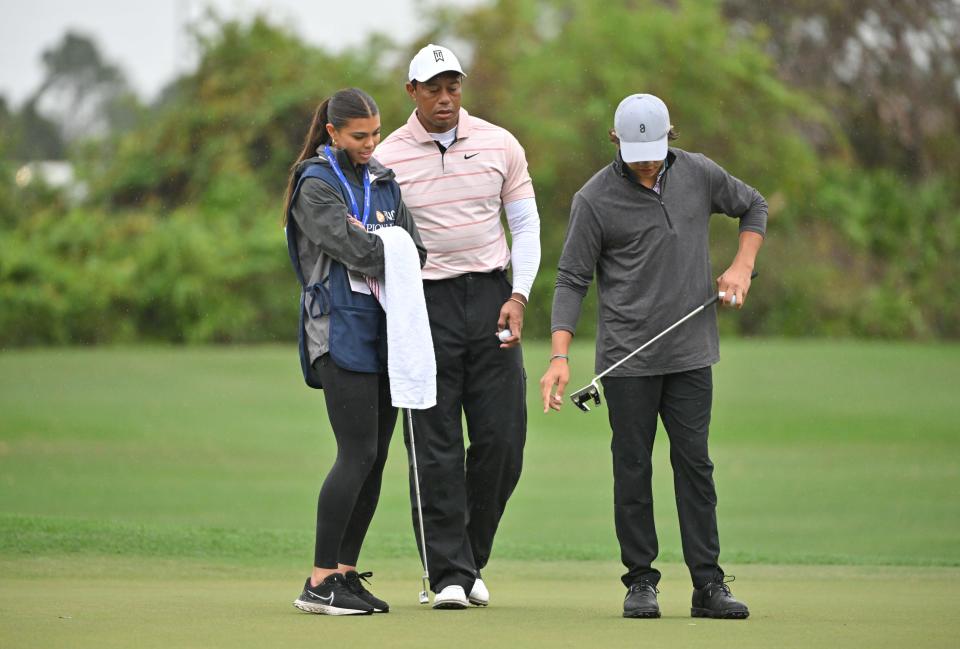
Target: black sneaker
{"type": "Point", "coordinates": [641, 600]}
{"type": "Point", "coordinates": [357, 588]}
{"type": "Point", "coordinates": [331, 597]}
{"type": "Point", "coordinates": [715, 600]}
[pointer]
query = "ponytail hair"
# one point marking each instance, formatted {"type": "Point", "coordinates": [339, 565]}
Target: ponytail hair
{"type": "Point", "coordinates": [338, 109]}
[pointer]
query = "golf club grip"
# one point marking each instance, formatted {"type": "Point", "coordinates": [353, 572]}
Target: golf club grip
{"type": "Point", "coordinates": [716, 297]}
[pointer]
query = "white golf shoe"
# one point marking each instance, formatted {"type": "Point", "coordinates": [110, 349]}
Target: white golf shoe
{"type": "Point", "coordinates": [451, 597]}
{"type": "Point", "coordinates": [479, 595]}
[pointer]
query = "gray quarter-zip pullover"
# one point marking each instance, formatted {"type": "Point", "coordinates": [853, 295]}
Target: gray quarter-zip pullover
{"type": "Point", "coordinates": [651, 256]}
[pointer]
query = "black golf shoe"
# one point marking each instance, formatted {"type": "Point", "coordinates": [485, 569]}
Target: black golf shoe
{"type": "Point", "coordinates": [715, 600]}
{"type": "Point", "coordinates": [357, 588]}
{"type": "Point", "coordinates": [641, 600]}
{"type": "Point", "coordinates": [331, 597]}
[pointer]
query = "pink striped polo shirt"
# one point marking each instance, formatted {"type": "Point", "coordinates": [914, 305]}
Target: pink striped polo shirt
{"type": "Point", "coordinates": [456, 197]}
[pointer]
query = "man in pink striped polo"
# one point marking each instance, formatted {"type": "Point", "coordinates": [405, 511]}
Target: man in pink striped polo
{"type": "Point", "coordinates": [458, 173]}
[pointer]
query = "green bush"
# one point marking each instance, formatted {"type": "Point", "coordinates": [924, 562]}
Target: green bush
{"type": "Point", "coordinates": [88, 277]}
{"type": "Point", "coordinates": [908, 231]}
{"type": "Point", "coordinates": [181, 242]}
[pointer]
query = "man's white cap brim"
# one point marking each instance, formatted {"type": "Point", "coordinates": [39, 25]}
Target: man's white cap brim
{"type": "Point", "coordinates": [423, 78]}
{"type": "Point", "coordinates": [431, 61]}
{"type": "Point", "coordinates": [644, 151]}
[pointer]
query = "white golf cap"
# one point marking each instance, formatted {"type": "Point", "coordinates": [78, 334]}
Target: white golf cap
{"type": "Point", "coordinates": [431, 61]}
{"type": "Point", "coordinates": [642, 123]}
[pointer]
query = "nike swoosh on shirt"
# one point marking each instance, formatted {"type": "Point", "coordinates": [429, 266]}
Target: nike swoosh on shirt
{"type": "Point", "coordinates": [467, 157]}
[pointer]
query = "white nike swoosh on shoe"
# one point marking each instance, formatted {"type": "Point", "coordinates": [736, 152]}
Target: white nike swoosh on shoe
{"type": "Point", "coordinates": [328, 600]}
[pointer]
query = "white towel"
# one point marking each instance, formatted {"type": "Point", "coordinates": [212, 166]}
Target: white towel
{"type": "Point", "coordinates": [411, 365]}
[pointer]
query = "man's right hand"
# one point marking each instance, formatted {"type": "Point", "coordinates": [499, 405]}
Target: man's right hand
{"type": "Point", "coordinates": [553, 383]}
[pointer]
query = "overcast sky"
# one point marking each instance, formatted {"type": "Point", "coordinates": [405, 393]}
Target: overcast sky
{"type": "Point", "coordinates": [146, 39]}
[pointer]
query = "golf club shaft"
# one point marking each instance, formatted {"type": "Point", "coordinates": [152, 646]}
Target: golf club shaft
{"type": "Point", "coordinates": [416, 489]}
{"type": "Point", "coordinates": [655, 338]}
{"type": "Point", "coordinates": [715, 298]}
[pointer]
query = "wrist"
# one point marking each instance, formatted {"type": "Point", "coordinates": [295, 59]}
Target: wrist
{"type": "Point", "coordinates": [563, 357]}
{"type": "Point", "coordinates": [519, 301]}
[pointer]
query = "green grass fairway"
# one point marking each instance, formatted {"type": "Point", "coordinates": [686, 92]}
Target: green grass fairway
{"type": "Point", "coordinates": [123, 603]}
{"type": "Point", "coordinates": [164, 497]}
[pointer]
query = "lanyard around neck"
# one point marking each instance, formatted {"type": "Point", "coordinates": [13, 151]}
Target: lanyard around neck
{"type": "Point", "coordinates": [332, 159]}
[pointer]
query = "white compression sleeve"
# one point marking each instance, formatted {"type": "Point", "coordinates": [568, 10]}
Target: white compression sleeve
{"type": "Point", "coordinates": [524, 222]}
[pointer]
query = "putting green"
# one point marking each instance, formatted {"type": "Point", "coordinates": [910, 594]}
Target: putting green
{"type": "Point", "coordinates": [155, 497]}
{"type": "Point", "coordinates": [104, 603]}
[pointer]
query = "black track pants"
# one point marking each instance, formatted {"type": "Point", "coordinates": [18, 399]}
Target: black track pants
{"type": "Point", "coordinates": [362, 418]}
{"type": "Point", "coordinates": [464, 494]}
{"type": "Point", "coordinates": [684, 402]}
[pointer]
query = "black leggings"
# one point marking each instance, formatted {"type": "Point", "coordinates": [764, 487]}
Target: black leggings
{"type": "Point", "coordinates": [363, 419]}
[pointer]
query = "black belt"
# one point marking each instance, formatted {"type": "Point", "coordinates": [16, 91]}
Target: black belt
{"type": "Point", "coordinates": [493, 274]}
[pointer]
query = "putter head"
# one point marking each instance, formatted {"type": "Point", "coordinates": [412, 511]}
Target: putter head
{"type": "Point", "coordinates": [424, 598]}
{"type": "Point", "coordinates": [581, 398]}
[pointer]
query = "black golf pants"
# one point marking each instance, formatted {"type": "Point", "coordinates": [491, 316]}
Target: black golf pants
{"type": "Point", "coordinates": [362, 417]}
{"type": "Point", "coordinates": [464, 494]}
{"type": "Point", "coordinates": [683, 401]}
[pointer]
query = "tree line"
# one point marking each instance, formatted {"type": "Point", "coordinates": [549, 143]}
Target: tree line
{"type": "Point", "coordinates": [846, 116]}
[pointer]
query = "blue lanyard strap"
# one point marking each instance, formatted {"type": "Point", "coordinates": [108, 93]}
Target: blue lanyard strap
{"type": "Point", "coordinates": [332, 159]}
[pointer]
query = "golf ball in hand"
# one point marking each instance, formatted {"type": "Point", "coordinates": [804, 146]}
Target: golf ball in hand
{"type": "Point", "coordinates": [503, 335]}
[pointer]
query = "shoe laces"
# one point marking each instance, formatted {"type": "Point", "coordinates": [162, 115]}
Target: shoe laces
{"type": "Point", "coordinates": [641, 585]}
{"type": "Point", "coordinates": [722, 582]}
{"type": "Point", "coordinates": [353, 580]}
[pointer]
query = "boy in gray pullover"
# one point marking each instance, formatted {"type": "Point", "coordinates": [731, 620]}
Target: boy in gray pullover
{"type": "Point", "coordinates": [641, 224]}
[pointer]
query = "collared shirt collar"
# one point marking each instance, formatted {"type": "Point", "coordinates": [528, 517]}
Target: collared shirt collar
{"type": "Point", "coordinates": [421, 135]}
{"type": "Point", "coordinates": [621, 167]}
